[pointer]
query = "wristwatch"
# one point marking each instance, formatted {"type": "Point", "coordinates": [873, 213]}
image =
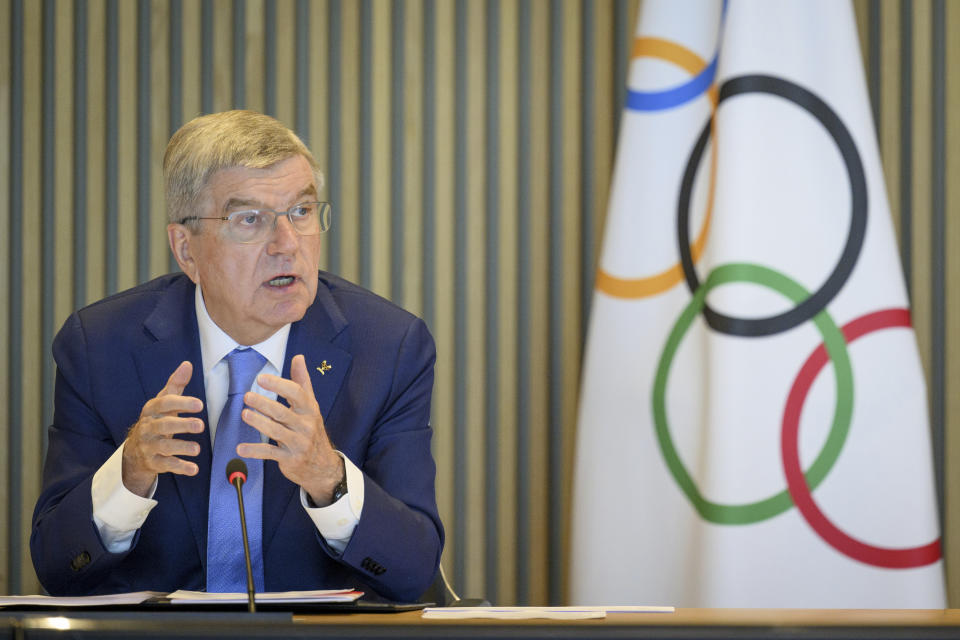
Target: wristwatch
{"type": "Point", "coordinates": [341, 489]}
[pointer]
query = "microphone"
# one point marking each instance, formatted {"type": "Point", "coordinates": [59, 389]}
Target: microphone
{"type": "Point", "coordinates": [237, 475]}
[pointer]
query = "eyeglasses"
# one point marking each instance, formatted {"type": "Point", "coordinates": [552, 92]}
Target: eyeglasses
{"type": "Point", "coordinates": [255, 225]}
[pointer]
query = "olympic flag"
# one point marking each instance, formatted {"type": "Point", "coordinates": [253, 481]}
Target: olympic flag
{"type": "Point", "coordinates": [753, 427]}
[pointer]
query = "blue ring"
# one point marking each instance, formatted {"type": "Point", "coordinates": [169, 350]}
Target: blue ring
{"type": "Point", "coordinates": [660, 100]}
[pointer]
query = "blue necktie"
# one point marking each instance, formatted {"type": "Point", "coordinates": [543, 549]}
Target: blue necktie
{"type": "Point", "coordinates": [226, 569]}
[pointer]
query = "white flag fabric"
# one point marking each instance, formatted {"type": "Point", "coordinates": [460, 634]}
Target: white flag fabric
{"type": "Point", "coordinates": [753, 428]}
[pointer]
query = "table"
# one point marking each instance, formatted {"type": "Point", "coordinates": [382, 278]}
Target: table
{"type": "Point", "coordinates": [684, 624]}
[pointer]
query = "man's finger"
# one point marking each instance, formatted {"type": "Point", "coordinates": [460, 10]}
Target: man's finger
{"type": "Point", "coordinates": [287, 389]}
{"type": "Point", "coordinates": [178, 380]}
{"type": "Point", "coordinates": [177, 447]}
{"type": "Point", "coordinates": [173, 464]}
{"type": "Point", "coordinates": [300, 374]}
{"type": "Point", "coordinates": [270, 428]}
{"type": "Point", "coordinates": [260, 451]}
{"type": "Point", "coordinates": [172, 425]}
{"type": "Point", "coordinates": [268, 407]}
{"type": "Point", "coordinates": [162, 405]}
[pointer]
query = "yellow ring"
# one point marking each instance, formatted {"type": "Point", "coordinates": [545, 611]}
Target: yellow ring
{"type": "Point", "coordinates": [652, 285]}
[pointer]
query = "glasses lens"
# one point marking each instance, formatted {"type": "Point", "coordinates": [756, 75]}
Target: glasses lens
{"type": "Point", "coordinates": [310, 218]}
{"type": "Point", "coordinates": [304, 218]}
{"type": "Point", "coordinates": [249, 226]}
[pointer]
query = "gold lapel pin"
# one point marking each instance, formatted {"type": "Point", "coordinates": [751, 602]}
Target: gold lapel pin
{"type": "Point", "coordinates": [324, 367]}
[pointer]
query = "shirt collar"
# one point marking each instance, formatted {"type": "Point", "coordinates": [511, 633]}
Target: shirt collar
{"type": "Point", "coordinates": [215, 343]}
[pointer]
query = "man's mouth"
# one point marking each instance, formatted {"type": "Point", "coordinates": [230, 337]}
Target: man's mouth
{"type": "Point", "coordinates": [281, 281]}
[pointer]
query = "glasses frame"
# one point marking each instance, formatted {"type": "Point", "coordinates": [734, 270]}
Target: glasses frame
{"type": "Point", "coordinates": [324, 214]}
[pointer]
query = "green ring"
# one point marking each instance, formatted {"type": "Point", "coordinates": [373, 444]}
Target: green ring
{"type": "Point", "coordinates": [836, 346]}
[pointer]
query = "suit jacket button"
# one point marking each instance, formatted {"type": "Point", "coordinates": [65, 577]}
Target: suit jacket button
{"type": "Point", "coordinates": [80, 561]}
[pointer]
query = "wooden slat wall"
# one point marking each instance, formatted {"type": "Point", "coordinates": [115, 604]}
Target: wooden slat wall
{"type": "Point", "coordinates": [468, 147]}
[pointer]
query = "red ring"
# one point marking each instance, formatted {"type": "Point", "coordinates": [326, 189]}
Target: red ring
{"type": "Point", "coordinates": [796, 483]}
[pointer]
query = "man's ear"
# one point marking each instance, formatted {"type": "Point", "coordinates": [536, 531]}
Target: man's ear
{"type": "Point", "coordinates": [180, 238]}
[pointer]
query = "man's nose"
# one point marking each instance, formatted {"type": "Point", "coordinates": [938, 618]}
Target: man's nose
{"type": "Point", "coordinates": [284, 237]}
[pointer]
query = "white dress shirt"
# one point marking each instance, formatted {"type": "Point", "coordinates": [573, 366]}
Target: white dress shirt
{"type": "Point", "coordinates": [118, 513]}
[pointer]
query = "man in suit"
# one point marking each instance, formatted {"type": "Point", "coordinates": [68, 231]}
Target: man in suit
{"type": "Point", "coordinates": [158, 386]}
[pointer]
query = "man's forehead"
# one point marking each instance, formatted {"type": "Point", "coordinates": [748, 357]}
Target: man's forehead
{"type": "Point", "coordinates": [289, 178]}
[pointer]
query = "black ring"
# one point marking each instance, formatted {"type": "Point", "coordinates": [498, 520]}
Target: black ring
{"type": "Point", "coordinates": [819, 299]}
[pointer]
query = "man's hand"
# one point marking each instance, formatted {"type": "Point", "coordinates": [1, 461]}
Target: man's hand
{"type": "Point", "coordinates": [303, 450]}
{"type": "Point", "coordinates": [150, 447]}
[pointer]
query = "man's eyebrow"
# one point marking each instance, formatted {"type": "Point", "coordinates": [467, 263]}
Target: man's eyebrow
{"type": "Point", "coordinates": [236, 203]}
{"type": "Point", "coordinates": [247, 203]}
{"type": "Point", "coordinates": [310, 190]}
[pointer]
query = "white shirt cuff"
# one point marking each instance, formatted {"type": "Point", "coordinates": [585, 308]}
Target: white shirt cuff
{"type": "Point", "coordinates": [337, 521]}
{"type": "Point", "coordinates": [117, 512]}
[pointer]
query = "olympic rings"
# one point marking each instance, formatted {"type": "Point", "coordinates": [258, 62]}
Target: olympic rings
{"type": "Point", "coordinates": [818, 301]}
{"type": "Point", "coordinates": [836, 347]}
{"type": "Point", "coordinates": [800, 491]}
{"type": "Point", "coordinates": [651, 101]}
{"type": "Point", "coordinates": [808, 306]}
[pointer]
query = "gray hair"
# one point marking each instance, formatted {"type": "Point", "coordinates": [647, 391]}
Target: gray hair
{"type": "Point", "coordinates": [224, 140]}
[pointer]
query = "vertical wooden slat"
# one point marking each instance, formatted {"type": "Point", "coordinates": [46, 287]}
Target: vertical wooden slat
{"type": "Point", "coordinates": [443, 203]}
{"type": "Point", "coordinates": [410, 94]}
{"type": "Point", "coordinates": [876, 17]}
{"type": "Point", "coordinates": [475, 322]}
{"type": "Point", "coordinates": [524, 329]}
{"type": "Point", "coordinates": [905, 186]}
{"type": "Point", "coordinates": [47, 218]}
{"type": "Point", "coordinates": [604, 133]}
{"type": "Point", "coordinates": [938, 257]}
{"type": "Point", "coordinates": [889, 125]}
{"type": "Point", "coordinates": [8, 93]}
{"type": "Point", "coordinates": [366, 146]}
{"type": "Point", "coordinates": [574, 156]}
{"type": "Point", "coordinates": [253, 50]}
{"type": "Point", "coordinates": [319, 104]}
{"type": "Point", "coordinates": [348, 229]}
{"type": "Point", "coordinates": [207, 46]}
{"type": "Point", "coordinates": [238, 55]}
{"type": "Point", "coordinates": [270, 58]}
{"type": "Point", "coordinates": [302, 42]}
{"type": "Point", "coordinates": [144, 139]}
{"type": "Point", "coordinates": [78, 152]}
{"type": "Point", "coordinates": [126, 176]}
{"type": "Point", "coordinates": [438, 265]}
{"type": "Point", "coordinates": [159, 127]}
{"type": "Point", "coordinates": [555, 296]}
{"type": "Point", "coordinates": [586, 131]}
{"type": "Point", "coordinates": [222, 55]}
{"type": "Point", "coordinates": [539, 312]}
{"type": "Point", "coordinates": [951, 169]}
{"type": "Point", "coordinates": [64, 179]}
{"type": "Point", "coordinates": [398, 174]}
{"type": "Point", "coordinates": [191, 38]}
{"type": "Point", "coordinates": [111, 151]}
{"type": "Point", "coordinates": [96, 153]}
{"type": "Point", "coordinates": [504, 416]}
{"type": "Point", "coordinates": [380, 246]}
{"type": "Point", "coordinates": [491, 236]}
{"type": "Point", "coordinates": [31, 356]}
{"type": "Point", "coordinates": [284, 41]}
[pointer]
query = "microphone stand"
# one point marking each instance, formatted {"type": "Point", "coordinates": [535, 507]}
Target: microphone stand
{"type": "Point", "coordinates": [251, 603]}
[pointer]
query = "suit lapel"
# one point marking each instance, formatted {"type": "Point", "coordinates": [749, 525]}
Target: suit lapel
{"type": "Point", "coordinates": [321, 337]}
{"type": "Point", "coordinates": [173, 324]}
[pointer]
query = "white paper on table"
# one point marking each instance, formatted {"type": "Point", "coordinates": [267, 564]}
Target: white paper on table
{"type": "Point", "coordinates": [317, 595]}
{"type": "Point", "coordinates": [528, 613]}
{"type": "Point", "coordinates": [110, 599]}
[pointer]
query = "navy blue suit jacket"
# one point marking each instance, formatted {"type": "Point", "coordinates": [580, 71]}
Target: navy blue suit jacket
{"type": "Point", "coordinates": [117, 353]}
